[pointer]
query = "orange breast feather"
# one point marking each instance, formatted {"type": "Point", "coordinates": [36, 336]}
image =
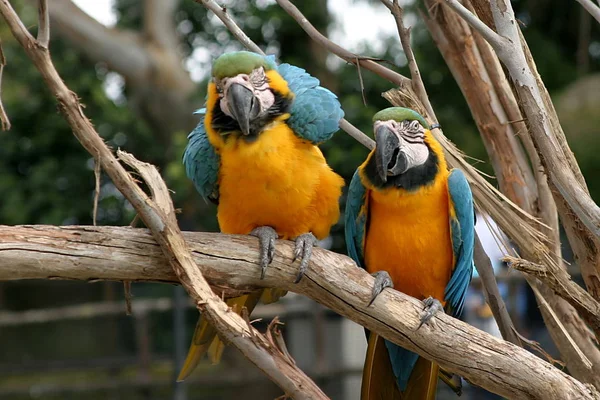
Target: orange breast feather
{"type": "Point", "coordinates": [409, 237]}
{"type": "Point", "coordinates": [278, 180]}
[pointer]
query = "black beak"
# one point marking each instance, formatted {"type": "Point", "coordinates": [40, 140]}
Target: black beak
{"type": "Point", "coordinates": [388, 157]}
{"type": "Point", "coordinates": [243, 105]}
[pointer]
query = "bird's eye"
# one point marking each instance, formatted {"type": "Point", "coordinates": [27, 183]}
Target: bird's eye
{"type": "Point", "coordinates": [414, 125]}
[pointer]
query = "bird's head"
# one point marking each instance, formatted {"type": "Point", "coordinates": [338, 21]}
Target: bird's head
{"type": "Point", "coordinates": [405, 154]}
{"type": "Point", "coordinates": [246, 93]}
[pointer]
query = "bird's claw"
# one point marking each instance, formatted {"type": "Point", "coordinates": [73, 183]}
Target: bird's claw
{"type": "Point", "coordinates": [266, 240]}
{"type": "Point", "coordinates": [382, 281]}
{"type": "Point", "coordinates": [303, 251]}
{"type": "Point", "coordinates": [432, 307]}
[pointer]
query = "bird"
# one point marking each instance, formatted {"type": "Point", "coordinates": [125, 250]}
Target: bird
{"type": "Point", "coordinates": [255, 154]}
{"type": "Point", "coordinates": [410, 222]}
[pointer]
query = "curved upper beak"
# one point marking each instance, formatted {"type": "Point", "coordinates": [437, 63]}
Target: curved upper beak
{"type": "Point", "coordinates": [388, 156]}
{"type": "Point", "coordinates": [243, 105]}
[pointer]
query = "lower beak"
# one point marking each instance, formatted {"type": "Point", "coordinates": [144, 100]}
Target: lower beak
{"type": "Point", "coordinates": [386, 151]}
{"type": "Point", "coordinates": [243, 105]}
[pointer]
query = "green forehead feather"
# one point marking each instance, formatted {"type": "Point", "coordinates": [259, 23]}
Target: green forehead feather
{"type": "Point", "coordinates": [239, 62]}
{"type": "Point", "coordinates": [400, 114]}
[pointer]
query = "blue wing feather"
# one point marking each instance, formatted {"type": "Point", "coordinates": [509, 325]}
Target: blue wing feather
{"type": "Point", "coordinates": [316, 111]}
{"type": "Point", "coordinates": [202, 162]}
{"type": "Point", "coordinates": [463, 241]}
{"type": "Point", "coordinates": [356, 220]}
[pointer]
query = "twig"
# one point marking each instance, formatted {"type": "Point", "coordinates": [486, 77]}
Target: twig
{"type": "Point", "coordinates": [43, 36]}
{"type": "Point", "coordinates": [97, 175]}
{"type": "Point", "coordinates": [498, 42]}
{"type": "Point", "coordinates": [561, 284]}
{"type": "Point", "coordinates": [333, 280]}
{"type": "Point", "coordinates": [593, 9]}
{"type": "Point", "coordinates": [404, 33]}
{"type": "Point", "coordinates": [3, 116]}
{"type": "Point", "coordinates": [159, 216]}
{"type": "Point", "coordinates": [339, 51]}
{"type": "Point", "coordinates": [221, 12]}
{"type": "Point", "coordinates": [357, 134]}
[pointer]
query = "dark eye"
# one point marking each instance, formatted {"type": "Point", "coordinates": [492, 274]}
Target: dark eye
{"type": "Point", "coordinates": [414, 125]}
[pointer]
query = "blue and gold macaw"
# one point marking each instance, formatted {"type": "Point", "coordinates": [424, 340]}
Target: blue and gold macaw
{"type": "Point", "coordinates": [410, 223]}
{"type": "Point", "coordinates": [255, 154]}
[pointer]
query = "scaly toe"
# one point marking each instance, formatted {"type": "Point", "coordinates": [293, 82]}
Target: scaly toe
{"type": "Point", "coordinates": [382, 281]}
{"type": "Point", "coordinates": [303, 251]}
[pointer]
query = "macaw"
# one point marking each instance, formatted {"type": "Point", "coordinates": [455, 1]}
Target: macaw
{"type": "Point", "coordinates": [410, 223]}
{"type": "Point", "coordinates": [255, 154]}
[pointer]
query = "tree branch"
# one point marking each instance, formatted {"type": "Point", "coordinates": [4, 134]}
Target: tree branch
{"type": "Point", "coordinates": [43, 36]}
{"type": "Point", "coordinates": [339, 51]}
{"type": "Point", "coordinates": [562, 285]}
{"type": "Point", "coordinates": [3, 116]}
{"type": "Point", "coordinates": [159, 216]}
{"type": "Point", "coordinates": [590, 7]}
{"type": "Point", "coordinates": [564, 174]}
{"type": "Point", "coordinates": [123, 51]}
{"type": "Point", "coordinates": [85, 253]}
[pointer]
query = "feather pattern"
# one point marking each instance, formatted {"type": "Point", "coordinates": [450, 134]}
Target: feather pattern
{"type": "Point", "coordinates": [356, 219]}
{"type": "Point", "coordinates": [316, 111]}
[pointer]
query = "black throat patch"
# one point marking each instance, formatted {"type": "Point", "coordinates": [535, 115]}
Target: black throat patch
{"type": "Point", "coordinates": [222, 122]}
{"type": "Point", "coordinates": [411, 180]}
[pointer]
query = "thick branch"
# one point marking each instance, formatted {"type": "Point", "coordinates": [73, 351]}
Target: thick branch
{"type": "Point", "coordinates": [158, 215]}
{"type": "Point", "coordinates": [565, 176]}
{"type": "Point", "coordinates": [85, 253]}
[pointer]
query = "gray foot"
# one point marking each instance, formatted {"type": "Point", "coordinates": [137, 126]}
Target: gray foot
{"type": "Point", "coordinates": [382, 281]}
{"type": "Point", "coordinates": [303, 251]}
{"type": "Point", "coordinates": [266, 241]}
{"type": "Point", "coordinates": [432, 307]}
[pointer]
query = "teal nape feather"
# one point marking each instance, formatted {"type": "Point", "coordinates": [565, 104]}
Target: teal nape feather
{"type": "Point", "coordinates": [240, 62]}
{"type": "Point", "coordinates": [400, 114]}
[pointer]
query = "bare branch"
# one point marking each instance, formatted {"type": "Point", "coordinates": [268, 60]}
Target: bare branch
{"type": "Point", "coordinates": [357, 134]}
{"type": "Point", "coordinates": [43, 36]}
{"type": "Point", "coordinates": [492, 294]}
{"type": "Point", "coordinates": [159, 215]}
{"type": "Point", "coordinates": [339, 51]}
{"type": "Point", "coordinates": [497, 41]}
{"type": "Point", "coordinates": [3, 116]}
{"type": "Point", "coordinates": [560, 282]}
{"type": "Point", "coordinates": [221, 12]}
{"type": "Point", "coordinates": [115, 253]}
{"type": "Point", "coordinates": [593, 9]}
{"type": "Point", "coordinates": [404, 33]}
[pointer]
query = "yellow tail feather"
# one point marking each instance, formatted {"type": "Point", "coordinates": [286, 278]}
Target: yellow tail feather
{"type": "Point", "coordinates": [205, 339]}
{"type": "Point", "coordinates": [379, 382]}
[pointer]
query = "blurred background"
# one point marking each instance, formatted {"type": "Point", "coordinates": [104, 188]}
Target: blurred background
{"type": "Point", "coordinates": [140, 85]}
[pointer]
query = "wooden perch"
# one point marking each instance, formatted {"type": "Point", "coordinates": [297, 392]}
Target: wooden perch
{"type": "Point", "coordinates": [91, 253]}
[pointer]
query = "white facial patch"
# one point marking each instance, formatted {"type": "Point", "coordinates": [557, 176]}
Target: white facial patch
{"type": "Point", "coordinates": [411, 135]}
{"type": "Point", "coordinates": [256, 82]}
